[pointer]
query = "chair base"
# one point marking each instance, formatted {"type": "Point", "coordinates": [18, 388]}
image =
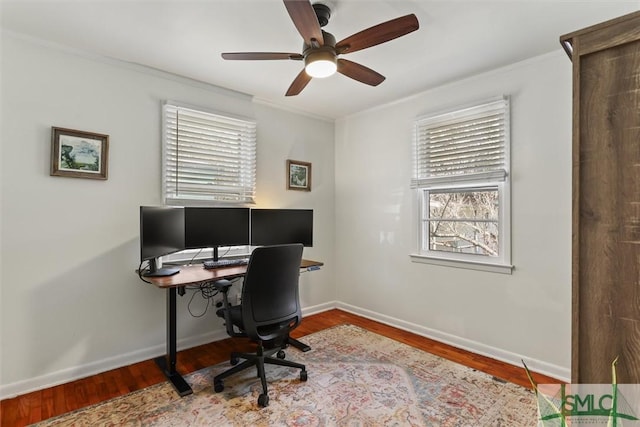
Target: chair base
{"type": "Point", "coordinates": [259, 359]}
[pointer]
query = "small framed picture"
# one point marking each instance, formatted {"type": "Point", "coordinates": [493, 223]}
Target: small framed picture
{"type": "Point", "coordinates": [298, 175]}
{"type": "Point", "coordinates": [79, 154]}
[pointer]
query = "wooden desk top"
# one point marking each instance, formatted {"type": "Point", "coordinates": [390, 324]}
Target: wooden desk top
{"type": "Point", "coordinates": [194, 274]}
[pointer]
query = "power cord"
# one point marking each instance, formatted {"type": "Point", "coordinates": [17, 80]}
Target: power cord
{"type": "Point", "coordinates": [225, 254]}
{"type": "Point", "coordinates": [200, 251]}
{"type": "Point", "coordinates": [140, 271]}
{"type": "Point", "coordinates": [206, 307]}
{"type": "Point", "coordinates": [194, 257]}
{"type": "Point", "coordinates": [208, 291]}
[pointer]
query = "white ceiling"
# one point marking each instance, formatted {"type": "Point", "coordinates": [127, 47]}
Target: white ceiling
{"type": "Point", "coordinates": [456, 39]}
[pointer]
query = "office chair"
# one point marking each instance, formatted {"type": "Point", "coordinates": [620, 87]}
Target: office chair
{"type": "Point", "coordinates": [269, 311]}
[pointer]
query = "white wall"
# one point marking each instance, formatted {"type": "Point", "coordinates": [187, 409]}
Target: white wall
{"type": "Point", "coordinates": [302, 138]}
{"type": "Point", "coordinates": [509, 317]}
{"type": "Point", "coordinates": [71, 303]}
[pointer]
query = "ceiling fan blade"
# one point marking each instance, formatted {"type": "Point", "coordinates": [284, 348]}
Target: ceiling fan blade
{"type": "Point", "coordinates": [379, 34]}
{"type": "Point", "coordinates": [299, 83]}
{"type": "Point", "coordinates": [359, 72]}
{"type": "Point", "coordinates": [305, 20]}
{"type": "Point", "coordinates": [262, 56]}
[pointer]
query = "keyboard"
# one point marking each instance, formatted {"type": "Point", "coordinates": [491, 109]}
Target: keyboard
{"type": "Point", "coordinates": [231, 262]}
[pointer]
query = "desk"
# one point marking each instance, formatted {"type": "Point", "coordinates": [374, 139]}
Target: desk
{"type": "Point", "coordinates": [192, 275]}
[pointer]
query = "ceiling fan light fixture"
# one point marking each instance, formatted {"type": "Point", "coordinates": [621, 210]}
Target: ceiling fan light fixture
{"type": "Point", "coordinates": [319, 48]}
{"type": "Point", "coordinates": [320, 64]}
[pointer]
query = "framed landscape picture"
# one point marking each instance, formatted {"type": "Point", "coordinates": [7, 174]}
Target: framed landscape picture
{"type": "Point", "coordinates": [298, 175]}
{"type": "Point", "coordinates": [79, 154]}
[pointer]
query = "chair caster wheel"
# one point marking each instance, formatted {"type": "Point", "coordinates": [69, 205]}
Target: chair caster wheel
{"type": "Point", "coordinates": [234, 361]}
{"type": "Point", "coordinates": [218, 386]}
{"type": "Point", "coordinates": [303, 375]}
{"type": "Point", "coordinates": [280, 355]}
{"type": "Point", "coordinates": [263, 400]}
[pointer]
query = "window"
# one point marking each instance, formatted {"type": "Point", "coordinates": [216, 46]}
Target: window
{"type": "Point", "coordinates": [207, 157]}
{"type": "Point", "coordinates": [461, 175]}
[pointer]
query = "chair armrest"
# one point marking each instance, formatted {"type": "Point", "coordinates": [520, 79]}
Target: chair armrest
{"type": "Point", "coordinates": [222, 285]}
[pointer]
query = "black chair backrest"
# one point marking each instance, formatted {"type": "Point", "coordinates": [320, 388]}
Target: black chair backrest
{"type": "Point", "coordinates": [270, 298]}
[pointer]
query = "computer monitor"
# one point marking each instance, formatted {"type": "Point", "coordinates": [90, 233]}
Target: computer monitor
{"type": "Point", "coordinates": [213, 227]}
{"type": "Point", "coordinates": [161, 233]}
{"type": "Point", "coordinates": [280, 226]}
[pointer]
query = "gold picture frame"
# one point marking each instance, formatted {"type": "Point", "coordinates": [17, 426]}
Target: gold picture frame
{"type": "Point", "coordinates": [79, 154]}
{"type": "Point", "coordinates": [298, 175]}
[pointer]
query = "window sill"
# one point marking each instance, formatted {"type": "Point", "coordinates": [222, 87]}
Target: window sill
{"type": "Point", "coordinates": [199, 255]}
{"type": "Point", "coordinates": [470, 265]}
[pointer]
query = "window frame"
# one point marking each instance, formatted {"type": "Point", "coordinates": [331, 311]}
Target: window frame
{"type": "Point", "coordinates": [460, 183]}
{"type": "Point", "coordinates": [194, 256]}
{"type": "Point", "coordinates": [212, 199]}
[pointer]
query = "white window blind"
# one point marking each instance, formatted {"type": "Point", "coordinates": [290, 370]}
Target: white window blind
{"type": "Point", "coordinates": [461, 174]}
{"type": "Point", "coordinates": [467, 145]}
{"type": "Point", "coordinates": [207, 157]}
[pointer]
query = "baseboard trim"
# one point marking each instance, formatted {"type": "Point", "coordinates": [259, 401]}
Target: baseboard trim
{"type": "Point", "coordinates": [71, 374]}
{"type": "Point", "coordinates": [315, 309]}
{"type": "Point", "coordinates": [538, 366]}
{"type": "Point", "coordinates": [78, 372]}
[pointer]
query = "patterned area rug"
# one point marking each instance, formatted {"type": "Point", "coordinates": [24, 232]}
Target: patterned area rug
{"type": "Point", "coordinates": [356, 378]}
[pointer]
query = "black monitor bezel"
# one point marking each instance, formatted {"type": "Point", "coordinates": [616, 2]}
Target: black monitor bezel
{"type": "Point", "coordinates": [271, 225]}
{"type": "Point", "coordinates": [171, 248]}
{"type": "Point", "coordinates": [174, 242]}
{"type": "Point", "coordinates": [239, 215]}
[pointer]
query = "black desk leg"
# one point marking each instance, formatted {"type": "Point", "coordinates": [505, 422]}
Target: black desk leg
{"type": "Point", "coordinates": [297, 344]}
{"type": "Point", "coordinates": [168, 362]}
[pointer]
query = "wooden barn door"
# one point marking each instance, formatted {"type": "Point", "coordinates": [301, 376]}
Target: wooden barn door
{"type": "Point", "coordinates": [606, 200]}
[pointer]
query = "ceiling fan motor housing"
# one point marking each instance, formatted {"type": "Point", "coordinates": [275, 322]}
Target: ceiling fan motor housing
{"type": "Point", "coordinates": [323, 12]}
{"type": "Point", "coordinates": [329, 44]}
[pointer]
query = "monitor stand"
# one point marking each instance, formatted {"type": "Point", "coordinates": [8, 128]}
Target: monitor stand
{"type": "Point", "coordinates": [154, 271]}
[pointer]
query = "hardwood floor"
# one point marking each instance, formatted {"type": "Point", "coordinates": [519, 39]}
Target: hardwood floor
{"type": "Point", "coordinates": [43, 404]}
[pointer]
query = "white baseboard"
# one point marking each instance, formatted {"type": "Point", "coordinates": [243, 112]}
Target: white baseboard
{"type": "Point", "coordinates": [538, 366]}
{"type": "Point", "coordinates": [82, 371]}
{"type": "Point", "coordinates": [67, 375]}
{"type": "Point", "coordinates": [315, 309]}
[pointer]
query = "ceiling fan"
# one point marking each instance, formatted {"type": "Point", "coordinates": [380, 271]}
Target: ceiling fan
{"type": "Point", "coordinates": [320, 51]}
